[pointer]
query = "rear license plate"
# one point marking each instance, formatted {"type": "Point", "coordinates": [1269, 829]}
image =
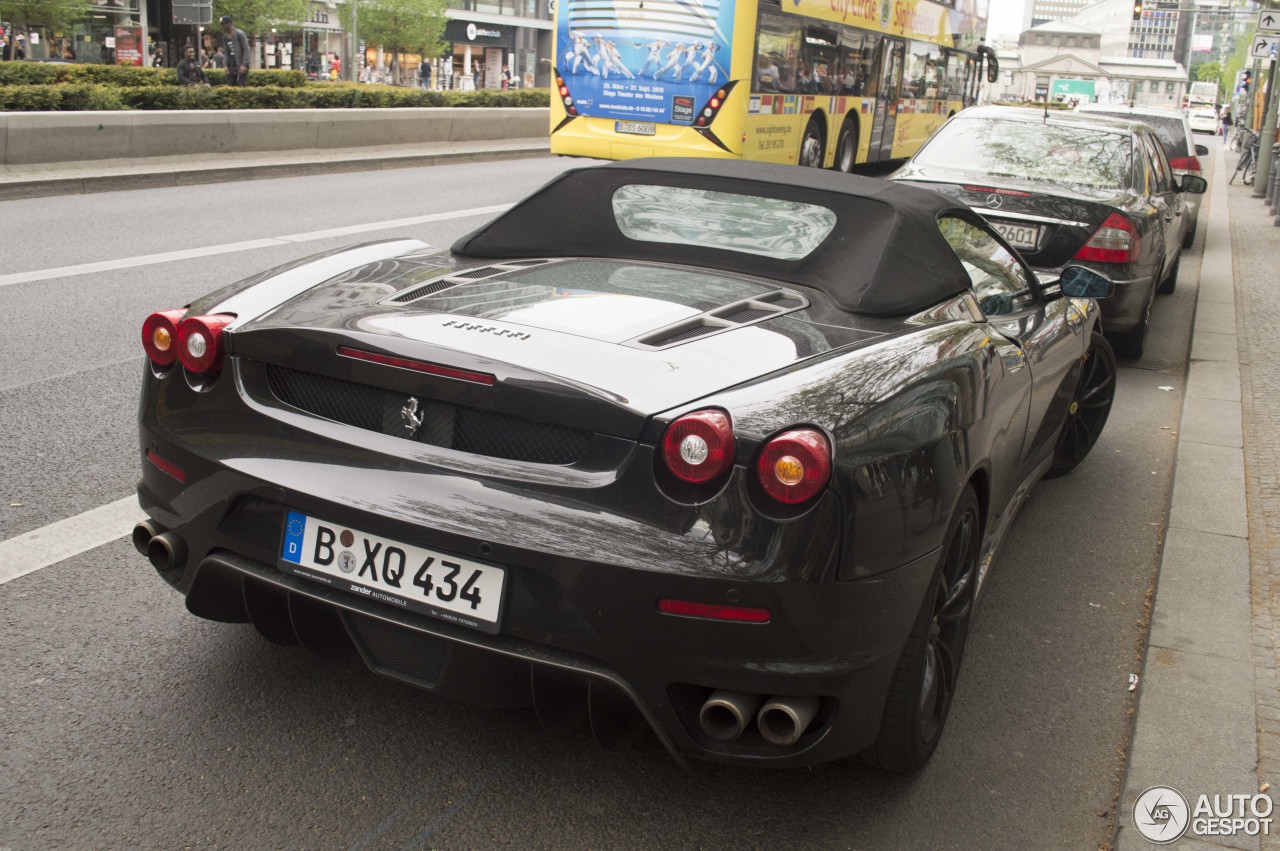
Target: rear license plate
{"type": "Point", "coordinates": [635, 128]}
{"type": "Point", "coordinates": [415, 578]}
{"type": "Point", "coordinates": [1019, 236]}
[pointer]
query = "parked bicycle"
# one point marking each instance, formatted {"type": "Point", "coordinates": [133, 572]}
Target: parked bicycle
{"type": "Point", "coordinates": [1236, 143]}
{"type": "Point", "coordinates": [1247, 165]}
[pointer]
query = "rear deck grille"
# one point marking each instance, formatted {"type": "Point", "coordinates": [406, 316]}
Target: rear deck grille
{"type": "Point", "coordinates": [457, 427]}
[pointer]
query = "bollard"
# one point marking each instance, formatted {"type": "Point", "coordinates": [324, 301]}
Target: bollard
{"type": "Point", "coordinates": [1273, 183]}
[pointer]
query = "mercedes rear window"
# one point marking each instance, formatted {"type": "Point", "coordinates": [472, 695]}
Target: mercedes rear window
{"type": "Point", "coordinates": [773, 227]}
{"type": "Point", "coordinates": [1033, 151]}
{"type": "Point", "coordinates": [1169, 130]}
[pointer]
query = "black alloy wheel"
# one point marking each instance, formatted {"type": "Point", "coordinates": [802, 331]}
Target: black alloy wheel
{"type": "Point", "coordinates": [1090, 406]}
{"type": "Point", "coordinates": [924, 684]}
{"type": "Point", "coordinates": [811, 148]}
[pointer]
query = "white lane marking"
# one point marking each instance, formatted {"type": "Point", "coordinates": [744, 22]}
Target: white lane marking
{"type": "Point", "coordinates": [232, 247]}
{"type": "Point", "coordinates": [66, 538]}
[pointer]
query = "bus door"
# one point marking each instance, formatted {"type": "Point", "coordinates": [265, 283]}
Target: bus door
{"type": "Point", "coordinates": [887, 86]}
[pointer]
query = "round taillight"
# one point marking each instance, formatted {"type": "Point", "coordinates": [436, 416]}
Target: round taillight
{"type": "Point", "coordinates": [698, 447]}
{"type": "Point", "coordinates": [715, 103]}
{"type": "Point", "coordinates": [795, 466]}
{"type": "Point", "coordinates": [160, 336]}
{"type": "Point", "coordinates": [200, 342]}
{"type": "Point", "coordinates": [720, 94]}
{"type": "Point", "coordinates": [701, 121]}
{"type": "Point", "coordinates": [564, 91]}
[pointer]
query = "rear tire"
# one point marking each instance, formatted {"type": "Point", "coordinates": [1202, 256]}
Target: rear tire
{"type": "Point", "coordinates": [1133, 342]}
{"type": "Point", "coordinates": [847, 147]}
{"type": "Point", "coordinates": [1090, 406]}
{"type": "Point", "coordinates": [923, 686]}
{"type": "Point", "coordinates": [1170, 283]}
{"type": "Point", "coordinates": [1189, 238]}
{"type": "Point", "coordinates": [812, 150]}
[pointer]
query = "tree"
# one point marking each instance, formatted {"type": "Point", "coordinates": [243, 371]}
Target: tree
{"type": "Point", "coordinates": [1210, 72]}
{"type": "Point", "coordinates": [258, 16]}
{"type": "Point", "coordinates": [415, 26]}
{"type": "Point", "coordinates": [52, 14]}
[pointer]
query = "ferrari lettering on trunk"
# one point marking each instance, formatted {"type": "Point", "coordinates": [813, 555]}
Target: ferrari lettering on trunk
{"type": "Point", "coordinates": [410, 577]}
{"type": "Point", "coordinates": [486, 329]}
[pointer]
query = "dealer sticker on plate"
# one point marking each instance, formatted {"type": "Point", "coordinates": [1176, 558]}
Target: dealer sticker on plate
{"type": "Point", "coordinates": [415, 578]}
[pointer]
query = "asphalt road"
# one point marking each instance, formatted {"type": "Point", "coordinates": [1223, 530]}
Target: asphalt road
{"type": "Point", "coordinates": [127, 722]}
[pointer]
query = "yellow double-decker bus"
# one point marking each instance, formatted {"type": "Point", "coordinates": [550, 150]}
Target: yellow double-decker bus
{"type": "Point", "coordinates": [825, 83]}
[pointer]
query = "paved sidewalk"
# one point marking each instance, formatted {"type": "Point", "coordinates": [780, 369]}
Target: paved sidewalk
{"type": "Point", "coordinates": [1208, 718]}
{"type": "Point", "coordinates": [109, 175]}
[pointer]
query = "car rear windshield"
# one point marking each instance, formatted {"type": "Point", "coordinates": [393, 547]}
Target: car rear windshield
{"type": "Point", "coordinates": [1038, 152]}
{"type": "Point", "coordinates": [786, 230]}
{"type": "Point", "coordinates": [1170, 130]}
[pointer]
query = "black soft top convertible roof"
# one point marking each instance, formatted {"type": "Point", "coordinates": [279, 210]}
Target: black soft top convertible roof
{"type": "Point", "coordinates": [884, 257]}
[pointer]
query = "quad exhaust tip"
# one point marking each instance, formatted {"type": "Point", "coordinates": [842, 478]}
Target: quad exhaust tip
{"type": "Point", "coordinates": [726, 714]}
{"type": "Point", "coordinates": [782, 720]}
{"type": "Point", "coordinates": [143, 533]}
{"type": "Point", "coordinates": [167, 551]}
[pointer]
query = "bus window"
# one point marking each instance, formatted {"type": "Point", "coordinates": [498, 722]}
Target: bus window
{"type": "Point", "coordinates": [778, 49]}
{"type": "Point", "coordinates": [852, 75]}
{"type": "Point", "coordinates": [818, 62]}
{"type": "Point", "coordinates": [870, 58]}
{"type": "Point", "coordinates": [953, 81]}
{"type": "Point", "coordinates": [890, 70]}
{"type": "Point", "coordinates": [921, 78]}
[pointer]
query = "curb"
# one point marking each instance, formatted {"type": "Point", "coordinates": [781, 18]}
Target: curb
{"type": "Point", "coordinates": [1195, 727]}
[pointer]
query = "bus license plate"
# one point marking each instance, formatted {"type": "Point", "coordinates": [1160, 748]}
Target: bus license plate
{"type": "Point", "coordinates": [443, 586]}
{"type": "Point", "coordinates": [635, 128]}
{"type": "Point", "coordinates": [1019, 236]}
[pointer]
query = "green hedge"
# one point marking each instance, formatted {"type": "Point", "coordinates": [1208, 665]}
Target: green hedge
{"type": "Point", "coordinates": [310, 95]}
{"type": "Point", "coordinates": [43, 73]}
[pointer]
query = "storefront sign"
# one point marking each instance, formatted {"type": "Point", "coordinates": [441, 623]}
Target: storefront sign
{"type": "Point", "coordinates": [462, 32]}
{"type": "Point", "coordinates": [474, 32]}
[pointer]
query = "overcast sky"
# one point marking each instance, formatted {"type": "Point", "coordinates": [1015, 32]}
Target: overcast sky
{"type": "Point", "coordinates": [1005, 18]}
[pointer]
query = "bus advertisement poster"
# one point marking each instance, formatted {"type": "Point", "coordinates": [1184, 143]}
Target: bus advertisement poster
{"type": "Point", "coordinates": [657, 64]}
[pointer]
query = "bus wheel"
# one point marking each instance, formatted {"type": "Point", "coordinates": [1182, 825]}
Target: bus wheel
{"type": "Point", "coordinates": [847, 146]}
{"type": "Point", "coordinates": [811, 153]}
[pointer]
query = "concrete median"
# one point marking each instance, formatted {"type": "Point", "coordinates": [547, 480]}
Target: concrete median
{"type": "Point", "coordinates": [32, 138]}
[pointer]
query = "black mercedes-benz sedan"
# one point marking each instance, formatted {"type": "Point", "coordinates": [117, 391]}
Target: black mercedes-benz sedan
{"type": "Point", "coordinates": [724, 447]}
{"type": "Point", "coordinates": [1062, 190]}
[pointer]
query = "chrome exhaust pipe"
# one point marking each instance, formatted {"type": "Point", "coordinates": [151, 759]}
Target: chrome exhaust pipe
{"type": "Point", "coordinates": [144, 532]}
{"type": "Point", "coordinates": [783, 719]}
{"type": "Point", "coordinates": [727, 713]}
{"type": "Point", "coordinates": [167, 551]}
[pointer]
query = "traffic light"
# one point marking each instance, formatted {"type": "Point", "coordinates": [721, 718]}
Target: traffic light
{"type": "Point", "coordinates": [1137, 10]}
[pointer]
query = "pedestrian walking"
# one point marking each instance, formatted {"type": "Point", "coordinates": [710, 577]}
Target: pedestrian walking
{"type": "Point", "coordinates": [189, 70]}
{"type": "Point", "coordinates": [506, 77]}
{"type": "Point", "coordinates": [1226, 121]}
{"type": "Point", "coordinates": [476, 76]}
{"type": "Point", "coordinates": [236, 45]}
{"type": "Point", "coordinates": [424, 74]}
{"type": "Point", "coordinates": [218, 59]}
{"type": "Point", "coordinates": [157, 57]}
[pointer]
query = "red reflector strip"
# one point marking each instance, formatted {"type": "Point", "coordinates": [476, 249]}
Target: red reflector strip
{"type": "Point", "coordinates": [714, 612]}
{"type": "Point", "coordinates": [1012, 192]}
{"type": "Point", "coordinates": [167, 467]}
{"type": "Point", "coordinates": [419, 366]}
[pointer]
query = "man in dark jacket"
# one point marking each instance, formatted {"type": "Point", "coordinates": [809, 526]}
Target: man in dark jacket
{"type": "Point", "coordinates": [236, 45]}
{"type": "Point", "coordinates": [189, 71]}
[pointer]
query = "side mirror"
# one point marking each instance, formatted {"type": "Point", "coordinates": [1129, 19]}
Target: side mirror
{"type": "Point", "coordinates": [1202, 151]}
{"type": "Point", "coordinates": [1193, 184]}
{"type": "Point", "coordinates": [1079, 282]}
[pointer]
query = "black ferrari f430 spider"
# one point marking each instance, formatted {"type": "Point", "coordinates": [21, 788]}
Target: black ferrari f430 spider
{"type": "Point", "coordinates": [728, 447]}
